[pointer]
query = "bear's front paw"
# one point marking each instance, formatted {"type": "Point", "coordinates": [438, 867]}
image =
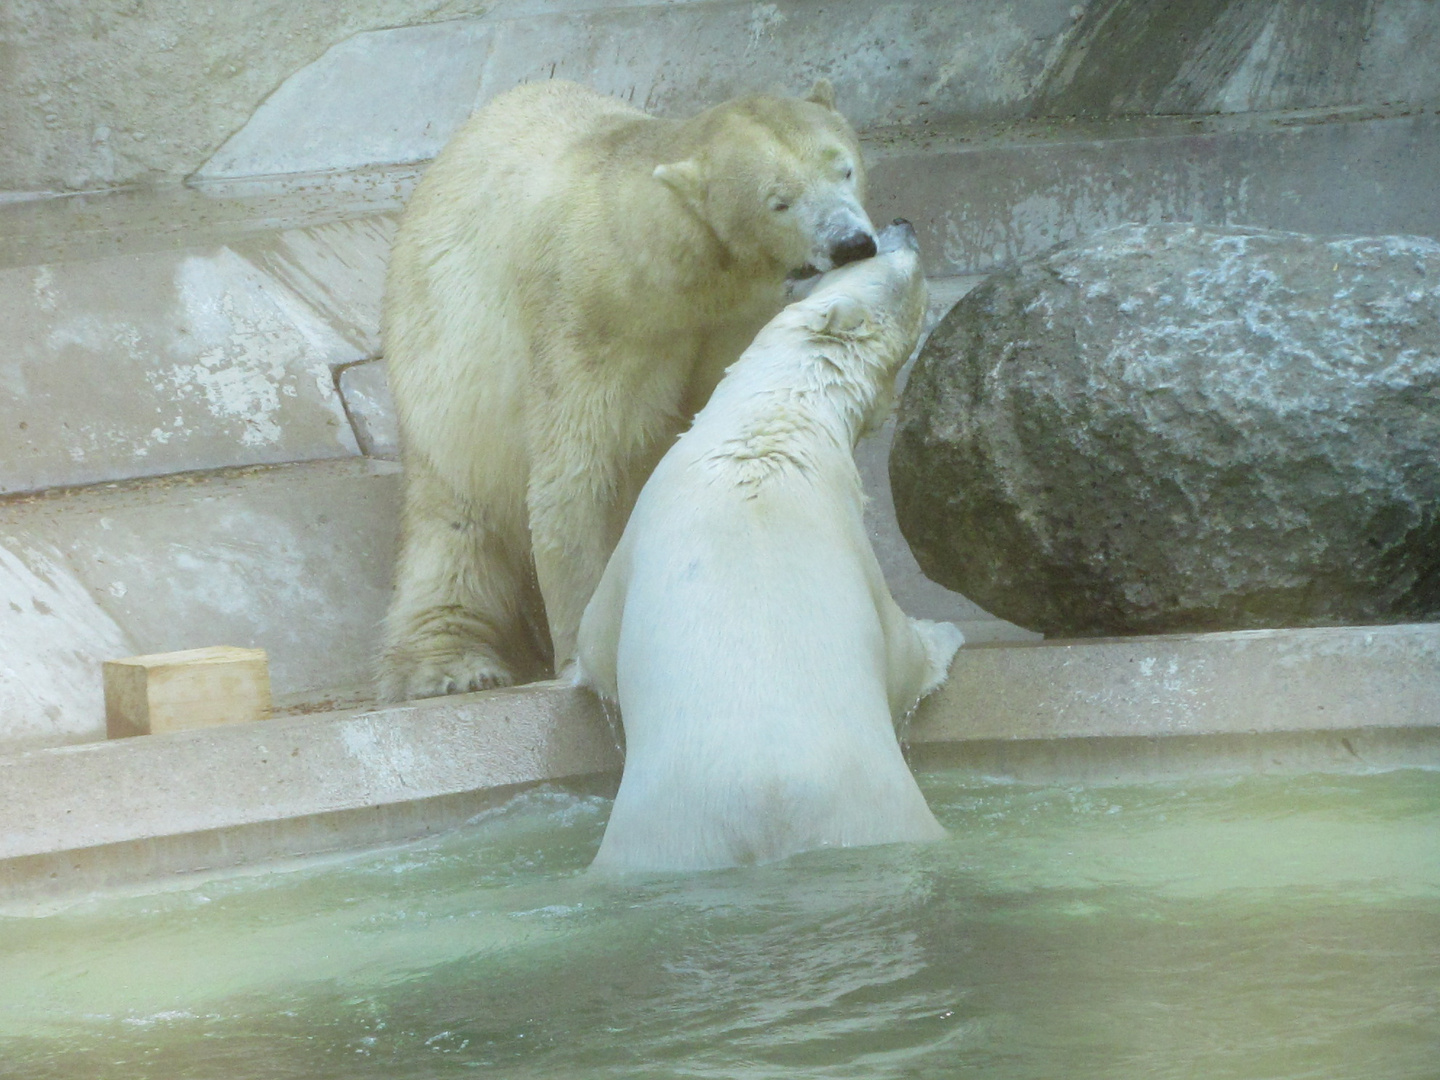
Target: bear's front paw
{"type": "Point", "coordinates": [438, 676]}
{"type": "Point", "coordinates": [941, 640]}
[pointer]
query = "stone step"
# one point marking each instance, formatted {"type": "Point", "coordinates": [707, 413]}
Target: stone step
{"type": "Point", "coordinates": [294, 559]}
{"type": "Point", "coordinates": [981, 199]}
{"type": "Point", "coordinates": [1233, 683]}
{"type": "Point", "coordinates": [197, 357]}
{"type": "Point", "coordinates": [395, 95]}
{"type": "Point", "coordinates": [149, 808]}
{"type": "Point", "coordinates": [194, 215]}
{"type": "Point", "coordinates": [159, 805]}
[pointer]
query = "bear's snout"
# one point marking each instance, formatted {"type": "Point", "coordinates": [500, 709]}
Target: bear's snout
{"type": "Point", "coordinates": [897, 235]}
{"type": "Point", "coordinates": [852, 248]}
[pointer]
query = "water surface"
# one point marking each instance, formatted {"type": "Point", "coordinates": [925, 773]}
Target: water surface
{"type": "Point", "coordinates": [1264, 927]}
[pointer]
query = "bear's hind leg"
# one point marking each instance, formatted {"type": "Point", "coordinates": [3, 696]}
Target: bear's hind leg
{"type": "Point", "coordinates": [466, 612]}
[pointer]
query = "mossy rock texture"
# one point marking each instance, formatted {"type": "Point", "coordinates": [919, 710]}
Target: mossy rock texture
{"type": "Point", "coordinates": [1175, 427]}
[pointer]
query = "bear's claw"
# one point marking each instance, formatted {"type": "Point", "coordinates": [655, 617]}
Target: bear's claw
{"type": "Point", "coordinates": [437, 677]}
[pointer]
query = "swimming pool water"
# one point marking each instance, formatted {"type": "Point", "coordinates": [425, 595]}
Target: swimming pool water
{"type": "Point", "coordinates": [1262, 927]}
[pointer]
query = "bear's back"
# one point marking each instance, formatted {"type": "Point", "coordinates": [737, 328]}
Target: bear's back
{"type": "Point", "coordinates": [533, 121]}
{"type": "Point", "coordinates": [512, 147]}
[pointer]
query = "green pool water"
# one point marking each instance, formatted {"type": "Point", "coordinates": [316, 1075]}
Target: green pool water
{"type": "Point", "coordinates": [1263, 927]}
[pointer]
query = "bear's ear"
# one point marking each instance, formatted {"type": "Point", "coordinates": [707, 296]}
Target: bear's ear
{"type": "Point", "coordinates": [842, 315]}
{"type": "Point", "coordinates": [822, 93]}
{"type": "Point", "coordinates": [685, 178]}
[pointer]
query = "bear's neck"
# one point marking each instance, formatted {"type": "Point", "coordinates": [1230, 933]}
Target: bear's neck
{"type": "Point", "coordinates": [795, 406]}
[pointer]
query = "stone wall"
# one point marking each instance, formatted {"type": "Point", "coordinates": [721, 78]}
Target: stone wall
{"type": "Point", "coordinates": [105, 93]}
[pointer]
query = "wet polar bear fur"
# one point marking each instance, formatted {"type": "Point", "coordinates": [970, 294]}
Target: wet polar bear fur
{"type": "Point", "coordinates": [569, 281]}
{"type": "Point", "coordinates": [743, 625]}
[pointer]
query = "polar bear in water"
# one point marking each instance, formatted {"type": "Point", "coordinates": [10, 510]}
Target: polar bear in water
{"type": "Point", "coordinates": [743, 625]}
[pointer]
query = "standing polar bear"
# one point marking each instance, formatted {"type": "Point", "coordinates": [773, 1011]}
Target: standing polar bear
{"type": "Point", "coordinates": [569, 281]}
{"type": "Point", "coordinates": [743, 624]}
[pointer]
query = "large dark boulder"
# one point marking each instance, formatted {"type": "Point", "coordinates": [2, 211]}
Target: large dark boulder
{"type": "Point", "coordinates": [1176, 427]}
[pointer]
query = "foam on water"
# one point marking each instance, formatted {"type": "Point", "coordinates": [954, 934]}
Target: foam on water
{"type": "Point", "coordinates": [1265, 927]}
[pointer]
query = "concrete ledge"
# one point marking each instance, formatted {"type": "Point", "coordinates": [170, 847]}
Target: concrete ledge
{"type": "Point", "coordinates": [242, 774]}
{"type": "Point", "coordinates": [101, 814]}
{"type": "Point", "coordinates": [1146, 759]}
{"type": "Point", "coordinates": [1244, 682]}
{"type": "Point", "coordinates": [104, 814]}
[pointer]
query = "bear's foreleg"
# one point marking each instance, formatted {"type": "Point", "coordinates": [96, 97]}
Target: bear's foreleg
{"type": "Point", "coordinates": [579, 500]}
{"type": "Point", "coordinates": [466, 610]}
{"type": "Point", "coordinates": [573, 532]}
{"type": "Point", "coordinates": [598, 644]}
{"type": "Point", "coordinates": [918, 651]}
{"type": "Point", "coordinates": [919, 662]}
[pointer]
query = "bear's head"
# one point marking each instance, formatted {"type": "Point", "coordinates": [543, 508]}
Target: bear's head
{"type": "Point", "coordinates": [866, 319]}
{"type": "Point", "coordinates": [828, 362]}
{"type": "Point", "coordinates": [778, 182]}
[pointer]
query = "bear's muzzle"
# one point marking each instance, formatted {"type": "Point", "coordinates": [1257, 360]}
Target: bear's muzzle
{"type": "Point", "coordinates": [852, 248]}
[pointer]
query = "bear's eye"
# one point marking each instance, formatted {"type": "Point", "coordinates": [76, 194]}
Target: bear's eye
{"type": "Point", "coordinates": [778, 205]}
{"type": "Point", "coordinates": [849, 172]}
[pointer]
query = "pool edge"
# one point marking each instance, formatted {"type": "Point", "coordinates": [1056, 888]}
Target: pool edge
{"type": "Point", "coordinates": [102, 815]}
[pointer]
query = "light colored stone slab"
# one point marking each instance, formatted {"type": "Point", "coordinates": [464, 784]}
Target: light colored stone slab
{"type": "Point", "coordinates": [199, 215]}
{"type": "Point", "coordinates": [106, 814]}
{"type": "Point", "coordinates": [366, 392]}
{"type": "Point", "coordinates": [979, 205]}
{"type": "Point", "coordinates": [155, 363]}
{"type": "Point", "coordinates": [383, 96]}
{"type": "Point", "coordinates": [1191, 684]}
{"type": "Point", "coordinates": [337, 268]}
{"type": "Point", "coordinates": [1144, 760]}
{"type": "Point", "coordinates": [293, 559]}
{"type": "Point", "coordinates": [397, 95]}
{"type": "Point", "coordinates": [54, 636]}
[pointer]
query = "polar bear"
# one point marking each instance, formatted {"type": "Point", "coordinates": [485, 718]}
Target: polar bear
{"type": "Point", "coordinates": [743, 626]}
{"type": "Point", "coordinates": [569, 281]}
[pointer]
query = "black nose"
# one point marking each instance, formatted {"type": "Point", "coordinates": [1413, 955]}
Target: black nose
{"type": "Point", "coordinates": [858, 245]}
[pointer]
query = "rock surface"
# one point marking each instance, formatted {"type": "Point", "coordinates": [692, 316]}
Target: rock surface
{"type": "Point", "coordinates": [1176, 427]}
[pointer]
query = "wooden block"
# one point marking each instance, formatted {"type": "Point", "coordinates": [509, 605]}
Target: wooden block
{"type": "Point", "coordinates": [147, 695]}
